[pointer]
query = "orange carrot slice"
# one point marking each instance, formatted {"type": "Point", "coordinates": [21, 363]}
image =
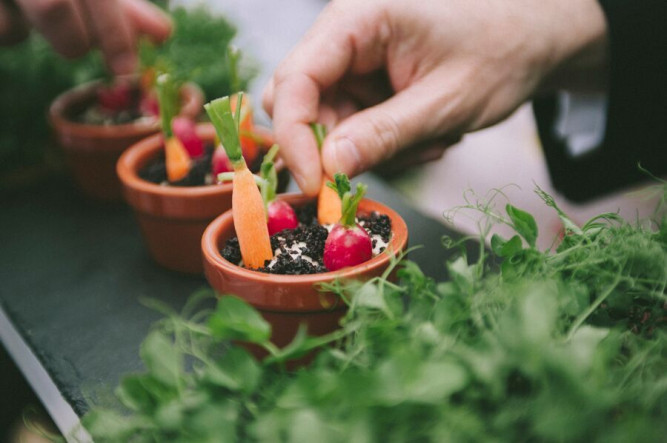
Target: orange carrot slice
{"type": "Point", "coordinates": [250, 220]}
{"type": "Point", "coordinates": [177, 159]}
{"type": "Point", "coordinates": [329, 208]}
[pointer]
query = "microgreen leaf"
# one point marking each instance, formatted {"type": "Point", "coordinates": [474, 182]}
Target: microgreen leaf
{"type": "Point", "coordinates": [220, 113]}
{"type": "Point", "coordinates": [234, 319]}
{"type": "Point", "coordinates": [341, 184]}
{"type": "Point", "coordinates": [162, 359]}
{"type": "Point", "coordinates": [235, 370]}
{"type": "Point", "coordinates": [523, 223]}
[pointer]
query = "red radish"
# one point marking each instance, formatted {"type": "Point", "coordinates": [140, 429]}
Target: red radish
{"type": "Point", "coordinates": [116, 97]}
{"type": "Point", "coordinates": [149, 105]}
{"type": "Point", "coordinates": [348, 244]}
{"type": "Point", "coordinates": [281, 216]}
{"type": "Point", "coordinates": [185, 130]}
{"type": "Point", "coordinates": [220, 162]}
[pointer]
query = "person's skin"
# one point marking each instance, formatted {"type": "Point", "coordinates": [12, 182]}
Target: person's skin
{"type": "Point", "coordinates": [385, 75]}
{"type": "Point", "coordinates": [73, 27]}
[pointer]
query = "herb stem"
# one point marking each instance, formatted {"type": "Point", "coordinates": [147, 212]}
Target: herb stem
{"type": "Point", "coordinates": [584, 315]}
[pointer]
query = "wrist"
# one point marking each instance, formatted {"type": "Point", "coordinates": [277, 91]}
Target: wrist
{"type": "Point", "coordinates": [581, 55]}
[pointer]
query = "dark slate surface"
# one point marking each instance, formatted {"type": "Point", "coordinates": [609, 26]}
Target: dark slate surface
{"type": "Point", "coordinates": [72, 273]}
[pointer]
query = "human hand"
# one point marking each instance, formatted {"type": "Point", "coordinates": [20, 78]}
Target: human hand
{"type": "Point", "coordinates": [75, 26]}
{"type": "Point", "coordinates": [390, 74]}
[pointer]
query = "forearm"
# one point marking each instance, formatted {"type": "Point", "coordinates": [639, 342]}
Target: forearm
{"type": "Point", "coordinates": [584, 52]}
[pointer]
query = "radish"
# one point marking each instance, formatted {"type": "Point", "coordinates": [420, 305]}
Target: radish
{"type": "Point", "coordinates": [186, 131]}
{"type": "Point", "coordinates": [280, 215]}
{"type": "Point", "coordinates": [220, 162]}
{"type": "Point", "coordinates": [116, 97]}
{"type": "Point", "coordinates": [148, 105]}
{"type": "Point", "coordinates": [348, 244]}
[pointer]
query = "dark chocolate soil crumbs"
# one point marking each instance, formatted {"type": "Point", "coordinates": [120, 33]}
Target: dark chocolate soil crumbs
{"type": "Point", "coordinates": [156, 171]}
{"type": "Point", "coordinates": [199, 175]}
{"type": "Point", "coordinates": [299, 251]}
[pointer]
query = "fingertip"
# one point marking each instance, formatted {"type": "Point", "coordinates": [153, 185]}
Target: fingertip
{"type": "Point", "coordinates": [309, 183]}
{"type": "Point", "coordinates": [123, 63]}
{"type": "Point", "coordinates": [341, 154]}
{"type": "Point", "coordinates": [267, 97]}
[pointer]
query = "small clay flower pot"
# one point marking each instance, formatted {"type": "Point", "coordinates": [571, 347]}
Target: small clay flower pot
{"type": "Point", "coordinates": [173, 218]}
{"type": "Point", "coordinates": [286, 301]}
{"type": "Point", "coordinates": [91, 151]}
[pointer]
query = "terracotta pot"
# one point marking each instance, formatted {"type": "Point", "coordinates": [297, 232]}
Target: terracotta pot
{"type": "Point", "coordinates": [285, 301]}
{"type": "Point", "coordinates": [91, 151]}
{"type": "Point", "coordinates": [173, 218]}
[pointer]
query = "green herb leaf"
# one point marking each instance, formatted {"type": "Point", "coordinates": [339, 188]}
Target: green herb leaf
{"type": "Point", "coordinates": [523, 223]}
{"type": "Point", "coordinates": [234, 319]}
{"type": "Point", "coordinates": [161, 358]}
{"type": "Point", "coordinates": [235, 370]}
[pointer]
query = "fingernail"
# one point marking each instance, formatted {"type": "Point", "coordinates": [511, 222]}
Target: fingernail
{"type": "Point", "coordinates": [346, 156]}
{"type": "Point", "coordinates": [123, 63]}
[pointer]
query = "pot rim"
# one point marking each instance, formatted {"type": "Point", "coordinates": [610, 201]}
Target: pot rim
{"type": "Point", "coordinates": [65, 100]}
{"type": "Point", "coordinates": [397, 244]}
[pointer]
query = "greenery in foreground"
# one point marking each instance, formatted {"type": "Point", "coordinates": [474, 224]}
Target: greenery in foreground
{"type": "Point", "coordinates": [562, 345]}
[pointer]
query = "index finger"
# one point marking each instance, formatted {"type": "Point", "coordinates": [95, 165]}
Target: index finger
{"type": "Point", "coordinates": [113, 34]}
{"type": "Point", "coordinates": [319, 61]}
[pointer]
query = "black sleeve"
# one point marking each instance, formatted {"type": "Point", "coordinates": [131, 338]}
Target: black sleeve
{"type": "Point", "coordinates": [636, 131]}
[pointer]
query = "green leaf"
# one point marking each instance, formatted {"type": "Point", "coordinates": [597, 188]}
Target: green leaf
{"type": "Point", "coordinates": [506, 248]}
{"type": "Point", "coordinates": [220, 113]}
{"type": "Point", "coordinates": [234, 319]}
{"type": "Point", "coordinates": [341, 184]}
{"type": "Point", "coordinates": [161, 358]}
{"type": "Point", "coordinates": [523, 223]}
{"type": "Point", "coordinates": [107, 425]}
{"type": "Point", "coordinates": [236, 370]}
{"type": "Point", "coordinates": [133, 393]}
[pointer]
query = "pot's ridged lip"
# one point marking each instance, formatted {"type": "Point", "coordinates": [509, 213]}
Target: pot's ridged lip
{"type": "Point", "coordinates": [397, 244]}
{"type": "Point", "coordinates": [80, 93]}
{"type": "Point", "coordinates": [137, 155]}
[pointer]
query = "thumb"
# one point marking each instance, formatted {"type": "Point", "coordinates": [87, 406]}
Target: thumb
{"type": "Point", "coordinates": [364, 139]}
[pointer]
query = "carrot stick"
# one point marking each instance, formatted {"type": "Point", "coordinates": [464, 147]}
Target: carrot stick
{"type": "Point", "coordinates": [329, 210]}
{"type": "Point", "coordinates": [250, 220]}
{"type": "Point", "coordinates": [177, 159]}
{"type": "Point", "coordinates": [176, 156]}
{"type": "Point", "coordinates": [247, 205]}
